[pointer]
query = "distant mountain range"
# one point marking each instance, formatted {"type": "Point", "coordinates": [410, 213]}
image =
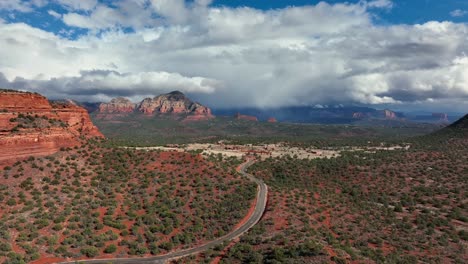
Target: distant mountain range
{"type": "Point", "coordinates": [176, 104]}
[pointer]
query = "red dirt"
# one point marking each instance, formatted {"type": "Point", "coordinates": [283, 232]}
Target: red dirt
{"type": "Point", "coordinates": [47, 260]}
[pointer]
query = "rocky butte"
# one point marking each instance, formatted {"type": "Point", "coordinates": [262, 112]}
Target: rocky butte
{"type": "Point", "coordinates": [31, 125]}
{"type": "Point", "coordinates": [175, 103]}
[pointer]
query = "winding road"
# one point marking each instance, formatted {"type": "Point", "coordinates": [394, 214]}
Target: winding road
{"type": "Point", "coordinates": [262, 195]}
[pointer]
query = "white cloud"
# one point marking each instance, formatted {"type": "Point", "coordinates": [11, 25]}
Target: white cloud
{"type": "Point", "coordinates": [458, 13]}
{"type": "Point", "coordinates": [128, 13]}
{"type": "Point", "coordinates": [102, 17]}
{"type": "Point", "coordinates": [76, 5]}
{"type": "Point", "coordinates": [174, 10]}
{"type": "Point", "coordinates": [17, 5]}
{"type": "Point", "coordinates": [203, 2]}
{"type": "Point", "coordinates": [54, 14]}
{"type": "Point", "coordinates": [21, 5]}
{"type": "Point", "coordinates": [317, 54]}
{"type": "Point", "coordinates": [386, 4]}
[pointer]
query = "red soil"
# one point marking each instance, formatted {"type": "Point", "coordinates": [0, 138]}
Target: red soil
{"type": "Point", "coordinates": [217, 260]}
{"type": "Point", "coordinates": [47, 260]}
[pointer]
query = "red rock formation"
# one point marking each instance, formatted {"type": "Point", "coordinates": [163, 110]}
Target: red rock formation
{"type": "Point", "coordinates": [175, 103]}
{"type": "Point", "coordinates": [171, 103]}
{"type": "Point", "coordinates": [246, 117]}
{"type": "Point", "coordinates": [117, 105]}
{"type": "Point", "coordinates": [23, 102]}
{"type": "Point", "coordinates": [30, 125]}
{"type": "Point", "coordinates": [272, 120]}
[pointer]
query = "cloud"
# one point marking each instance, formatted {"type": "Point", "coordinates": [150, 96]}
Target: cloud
{"type": "Point", "coordinates": [126, 14]}
{"type": "Point", "coordinates": [174, 10]}
{"type": "Point", "coordinates": [223, 56]}
{"type": "Point", "coordinates": [386, 4]}
{"type": "Point", "coordinates": [21, 5]}
{"type": "Point", "coordinates": [74, 5]}
{"type": "Point", "coordinates": [17, 5]}
{"type": "Point", "coordinates": [458, 13]}
{"type": "Point", "coordinates": [105, 84]}
{"type": "Point", "coordinates": [54, 14]}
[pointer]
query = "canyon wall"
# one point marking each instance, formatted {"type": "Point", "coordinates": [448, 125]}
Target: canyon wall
{"type": "Point", "coordinates": [30, 125]}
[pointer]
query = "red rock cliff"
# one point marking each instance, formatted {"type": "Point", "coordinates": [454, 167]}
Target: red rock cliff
{"type": "Point", "coordinates": [171, 103]}
{"type": "Point", "coordinates": [117, 106]}
{"type": "Point", "coordinates": [30, 125]}
{"type": "Point", "coordinates": [175, 103]}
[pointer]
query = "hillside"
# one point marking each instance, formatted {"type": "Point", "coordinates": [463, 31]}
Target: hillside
{"type": "Point", "coordinates": [91, 201]}
{"type": "Point", "coordinates": [31, 125]}
{"type": "Point", "coordinates": [461, 124]}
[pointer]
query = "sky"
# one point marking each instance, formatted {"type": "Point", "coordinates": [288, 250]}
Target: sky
{"type": "Point", "coordinates": [398, 54]}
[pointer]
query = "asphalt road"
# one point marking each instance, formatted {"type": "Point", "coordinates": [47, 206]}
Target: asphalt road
{"type": "Point", "coordinates": [262, 195]}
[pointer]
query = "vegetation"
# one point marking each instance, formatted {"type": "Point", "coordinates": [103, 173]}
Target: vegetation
{"type": "Point", "coordinates": [138, 130]}
{"type": "Point", "coordinates": [92, 200]}
{"type": "Point", "coordinates": [401, 206]}
{"type": "Point", "coordinates": [29, 121]}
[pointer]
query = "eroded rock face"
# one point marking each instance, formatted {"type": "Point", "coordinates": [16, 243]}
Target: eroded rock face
{"type": "Point", "coordinates": [30, 125]}
{"type": "Point", "coordinates": [117, 105]}
{"type": "Point", "coordinates": [171, 103]}
{"type": "Point", "coordinates": [175, 103]}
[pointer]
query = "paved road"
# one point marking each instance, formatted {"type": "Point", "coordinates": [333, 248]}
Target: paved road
{"type": "Point", "coordinates": [262, 195]}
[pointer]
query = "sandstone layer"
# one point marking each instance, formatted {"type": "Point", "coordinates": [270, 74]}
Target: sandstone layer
{"type": "Point", "coordinates": [30, 125]}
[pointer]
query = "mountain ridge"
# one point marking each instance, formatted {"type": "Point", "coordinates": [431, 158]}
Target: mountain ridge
{"type": "Point", "coordinates": [170, 103]}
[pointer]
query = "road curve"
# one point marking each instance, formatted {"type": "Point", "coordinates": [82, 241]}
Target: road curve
{"type": "Point", "coordinates": [262, 195]}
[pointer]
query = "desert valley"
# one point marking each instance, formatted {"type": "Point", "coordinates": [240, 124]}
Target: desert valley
{"type": "Point", "coordinates": [333, 193]}
{"type": "Point", "coordinates": [233, 132]}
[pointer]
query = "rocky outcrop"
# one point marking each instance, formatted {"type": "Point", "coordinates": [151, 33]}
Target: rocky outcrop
{"type": "Point", "coordinates": [238, 116]}
{"type": "Point", "coordinates": [31, 125]}
{"type": "Point", "coordinates": [172, 103]}
{"type": "Point", "coordinates": [117, 105]}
